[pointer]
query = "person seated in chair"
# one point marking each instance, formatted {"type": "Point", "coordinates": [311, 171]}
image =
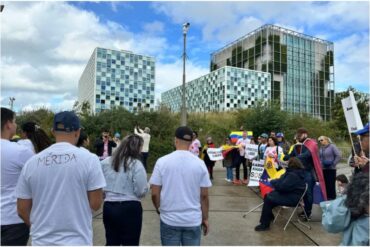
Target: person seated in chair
{"type": "Point", "coordinates": [288, 189]}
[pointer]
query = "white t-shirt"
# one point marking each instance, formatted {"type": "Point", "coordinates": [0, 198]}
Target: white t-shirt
{"type": "Point", "coordinates": [181, 175]}
{"type": "Point", "coordinates": [243, 143]}
{"type": "Point", "coordinates": [13, 158]}
{"type": "Point", "coordinates": [27, 143]}
{"type": "Point", "coordinates": [275, 151]}
{"type": "Point", "coordinates": [57, 180]}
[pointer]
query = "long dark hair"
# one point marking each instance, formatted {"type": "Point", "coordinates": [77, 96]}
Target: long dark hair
{"type": "Point", "coordinates": [36, 135]}
{"type": "Point", "coordinates": [83, 137]}
{"type": "Point", "coordinates": [358, 195]}
{"type": "Point", "coordinates": [129, 150]}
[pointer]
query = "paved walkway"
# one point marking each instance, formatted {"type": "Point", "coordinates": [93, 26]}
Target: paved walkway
{"type": "Point", "coordinates": [227, 225]}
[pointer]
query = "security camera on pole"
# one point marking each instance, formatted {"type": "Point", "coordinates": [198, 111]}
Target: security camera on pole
{"type": "Point", "coordinates": [185, 29]}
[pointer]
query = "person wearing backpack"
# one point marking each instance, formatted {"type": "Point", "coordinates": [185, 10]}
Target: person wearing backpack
{"type": "Point", "coordinates": [329, 157]}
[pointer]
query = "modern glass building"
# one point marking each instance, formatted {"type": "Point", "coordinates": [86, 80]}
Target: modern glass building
{"type": "Point", "coordinates": [223, 89]}
{"type": "Point", "coordinates": [118, 78]}
{"type": "Point", "coordinates": [301, 67]}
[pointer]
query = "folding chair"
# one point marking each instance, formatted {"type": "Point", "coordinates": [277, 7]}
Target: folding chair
{"type": "Point", "coordinates": [299, 204]}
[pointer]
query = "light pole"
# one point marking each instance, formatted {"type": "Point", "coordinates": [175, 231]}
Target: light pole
{"type": "Point", "coordinates": [185, 29]}
{"type": "Point", "coordinates": [11, 100]}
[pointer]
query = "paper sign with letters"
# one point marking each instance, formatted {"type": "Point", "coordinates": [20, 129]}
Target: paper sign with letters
{"type": "Point", "coordinates": [256, 173]}
{"type": "Point", "coordinates": [215, 154]}
{"type": "Point", "coordinates": [351, 113]}
{"type": "Point", "coordinates": [251, 151]}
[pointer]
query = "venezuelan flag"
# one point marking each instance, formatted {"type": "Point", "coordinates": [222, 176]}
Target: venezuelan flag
{"type": "Point", "coordinates": [235, 135]}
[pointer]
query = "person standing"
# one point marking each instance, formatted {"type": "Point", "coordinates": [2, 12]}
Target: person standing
{"type": "Point", "coordinates": [179, 184]}
{"type": "Point", "coordinates": [242, 142]}
{"type": "Point", "coordinates": [209, 163]}
{"type": "Point", "coordinates": [273, 150]}
{"type": "Point", "coordinates": [195, 146]}
{"type": "Point", "coordinates": [329, 157]}
{"type": "Point", "coordinates": [146, 137]}
{"type": "Point", "coordinates": [361, 161]}
{"type": "Point", "coordinates": [13, 157]}
{"type": "Point", "coordinates": [126, 185]}
{"type": "Point", "coordinates": [308, 154]}
{"type": "Point", "coordinates": [104, 146]}
{"type": "Point", "coordinates": [60, 187]}
{"type": "Point", "coordinates": [228, 152]}
{"type": "Point", "coordinates": [34, 137]}
{"type": "Point", "coordinates": [262, 146]}
{"type": "Point", "coordinates": [281, 142]}
{"type": "Point", "coordinates": [117, 140]}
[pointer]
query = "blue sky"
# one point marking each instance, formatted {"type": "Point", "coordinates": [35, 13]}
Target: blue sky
{"type": "Point", "coordinates": [46, 45]}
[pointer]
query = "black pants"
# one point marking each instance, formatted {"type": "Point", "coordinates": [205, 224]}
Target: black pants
{"type": "Point", "coordinates": [274, 199]}
{"type": "Point", "coordinates": [122, 222]}
{"type": "Point", "coordinates": [243, 161]}
{"type": "Point", "coordinates": [144, 156]}
{"type": "Point", "coordinates": [329, 177]}
{"type": "Point", "coordinates": [16, 234]}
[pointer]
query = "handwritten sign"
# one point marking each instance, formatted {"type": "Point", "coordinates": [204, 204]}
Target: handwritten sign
{"type": "Point", "coordinates": [215, 154]}
{"type": "Point", "coordinates": [251, 151]}
{"type": "Point", "coordinates": [256, 173]}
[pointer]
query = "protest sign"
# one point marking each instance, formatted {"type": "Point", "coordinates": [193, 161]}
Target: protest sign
{"type": "Point", "coordinates": [351, 113]}
{"type": "Point", "coordinates": [215, 154]}
{"type": "Point", "coordinates": [256, 172]}
{"type": "Point", "coordinates": [251, 151]}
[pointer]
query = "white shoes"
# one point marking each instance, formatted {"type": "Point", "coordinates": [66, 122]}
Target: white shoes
{"type": "Point", "coordinates": [228, 180]}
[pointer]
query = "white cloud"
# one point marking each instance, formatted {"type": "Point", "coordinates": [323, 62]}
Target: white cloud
{"type": "Point", "coordinates": [154, 27]}
{"type": "Point", "coordinates": [46, 45]}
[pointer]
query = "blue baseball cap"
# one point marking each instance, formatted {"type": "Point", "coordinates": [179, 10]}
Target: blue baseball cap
{"type": "Point", "coordinates": [66, 121]}
{"type": "Point", "coordinates": [117, 135]}
{"type": "Point", "coordinates": [363, 131]}
{"type": "Point", "coordinates": [279, 134]}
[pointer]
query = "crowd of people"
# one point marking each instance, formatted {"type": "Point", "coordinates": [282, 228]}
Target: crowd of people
{"type": "Point", "coordinates": [50, 190]}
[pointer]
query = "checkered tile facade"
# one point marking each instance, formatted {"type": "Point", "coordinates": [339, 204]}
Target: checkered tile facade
{"type": "Point", "coordinates": [118, 78]}
{"type": "Point", "coordinates": [225, 89]}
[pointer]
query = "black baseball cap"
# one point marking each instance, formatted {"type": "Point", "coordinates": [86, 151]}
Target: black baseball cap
{"type": "Point", "coordinates": [184, 133]}
{"type": "Point", "coordinates": [66, 121]}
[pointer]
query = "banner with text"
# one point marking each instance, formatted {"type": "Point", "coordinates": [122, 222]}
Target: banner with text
{"type": "Point", "coordinates": [251, 151]}
{"type": "Point", "coordinates": [351, 113]}
{"type": "Point", "coordinates": [256, 173]}
{"type": "Point", "coordinates": [215, 154]}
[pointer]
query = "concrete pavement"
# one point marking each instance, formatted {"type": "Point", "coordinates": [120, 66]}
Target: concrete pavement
{"type": "Point", "coordinates": [228, 203]}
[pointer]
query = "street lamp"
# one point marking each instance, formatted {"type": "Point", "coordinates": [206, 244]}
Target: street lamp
{"type": "Point", "coordinates": [11, 101]}
{"type": "Point", "coordinates": [185, 29]}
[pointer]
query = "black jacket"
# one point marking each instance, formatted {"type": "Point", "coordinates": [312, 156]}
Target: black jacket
{"type": "Point", "coordinates": [288, 188]}
{"type": "Point", "coordinates": [99, 145]}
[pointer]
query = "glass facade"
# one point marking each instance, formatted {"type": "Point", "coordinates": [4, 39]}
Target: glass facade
{"type": "Point", "coordinates": [118, 78]}
{"type": "Point", "coordinates": [301, 67]}
{"type": "Point", "coordinates": [224, 89]}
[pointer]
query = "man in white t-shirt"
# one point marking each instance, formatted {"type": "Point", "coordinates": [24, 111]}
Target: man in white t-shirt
{"type": "Point", "coordinates": [60, 187]}
{"type": "Point", "coordinates": [242, 142]}
{"type": "Point", "coordinates": [13, 158]}
{"type": "Point", "coordinates": [180, 183]}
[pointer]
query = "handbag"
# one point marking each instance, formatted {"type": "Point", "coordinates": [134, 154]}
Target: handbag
{"type": "Point", "coordinates": [336, 216]}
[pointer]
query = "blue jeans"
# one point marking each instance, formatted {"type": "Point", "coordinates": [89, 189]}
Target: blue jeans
{"type": "Point", "coordinates": [308, 198]}
{"type": "Point", "coordinates": [178, 235]}
{"type": "Point", "coordinates": [229, 173]}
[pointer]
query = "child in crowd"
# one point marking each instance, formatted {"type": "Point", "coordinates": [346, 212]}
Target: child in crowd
{"type": "Point", "coordinates": [342, 182]}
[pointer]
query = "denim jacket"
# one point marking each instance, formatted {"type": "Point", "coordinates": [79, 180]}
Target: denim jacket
{"type": "Point", "coordinates": [132, 182]}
